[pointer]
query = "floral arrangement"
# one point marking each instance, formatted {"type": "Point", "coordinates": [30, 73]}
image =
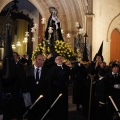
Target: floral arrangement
{"type": "Point", "coordinates": [61, 47]}
{"type": "Point", "coordinates": [65, 50]}
{"type": "Point", "coordinates": [42, 49]}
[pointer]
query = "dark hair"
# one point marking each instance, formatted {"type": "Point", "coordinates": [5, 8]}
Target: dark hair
{"type": "Point", "coordinates": [115, 65]}
{"type": "Point", "coordinates": [38, 54]}
{"type": "Point", "coordinates": [98, 55]}
{"type": "Point", "coordinates": [101, 72]}
{"type": "Point", "coordinates": [16, 53]}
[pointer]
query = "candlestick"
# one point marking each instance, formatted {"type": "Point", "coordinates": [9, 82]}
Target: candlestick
{"type": "Point", "coordinates": [43, 21]}
{"type": "Point", "coordinates": [68, 35]}
{"type": "Point", "coordinates": [77, 24]}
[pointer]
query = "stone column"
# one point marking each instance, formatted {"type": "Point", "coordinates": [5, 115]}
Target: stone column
{"type": "Point", "coordinates": [89, 22]}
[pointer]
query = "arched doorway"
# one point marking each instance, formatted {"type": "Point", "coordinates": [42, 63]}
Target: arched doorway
{"type": "Point", "coordinates": [29, 16]}
{"type": "Point", "coordinates": [115, 45]}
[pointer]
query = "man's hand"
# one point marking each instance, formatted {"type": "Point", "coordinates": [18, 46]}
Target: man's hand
{"type": "Point", "coordinates": [49, 56]}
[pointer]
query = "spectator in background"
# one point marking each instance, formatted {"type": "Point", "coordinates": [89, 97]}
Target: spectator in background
{"type": "Point", "coordinates": [104, 66]}
{"type": "Point", "coordinates": [17, 59]}
{"type": "Point", "coordinates": [25, 61]}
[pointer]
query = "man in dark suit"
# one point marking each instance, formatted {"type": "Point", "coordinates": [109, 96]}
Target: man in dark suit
{"type": "Point", "coordinates": [37, 82]}
{"type": "Point", "coordinates": [113, 89]}
{"type": "Point", "coordinates": [60, 79]}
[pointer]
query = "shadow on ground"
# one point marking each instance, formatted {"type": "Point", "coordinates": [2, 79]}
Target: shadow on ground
{"type": "Point", "coordinates": [72, 113]}
{"type": "Point", "coordinates": [76, 115]}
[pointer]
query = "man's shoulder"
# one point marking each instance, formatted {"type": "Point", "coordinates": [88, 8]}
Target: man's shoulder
{"type": "Point", "coordinates": [29, 67]}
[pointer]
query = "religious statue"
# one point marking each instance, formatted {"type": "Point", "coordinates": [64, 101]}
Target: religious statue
{"type": "Point", "coordinates": [53, 30]}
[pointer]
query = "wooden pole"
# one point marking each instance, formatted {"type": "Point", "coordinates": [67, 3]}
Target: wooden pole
{"type": "Point", "coordinates": [114, 105]}
{"type": "Point", "coordinates": [91, 80]}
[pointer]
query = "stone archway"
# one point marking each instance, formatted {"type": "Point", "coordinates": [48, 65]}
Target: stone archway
{"type": "Point", "coordinates": [115, 45]}
{"type": "Point", "coordinates": [115, 23]}
{"type": "Point", "coordinates": [113, 29]}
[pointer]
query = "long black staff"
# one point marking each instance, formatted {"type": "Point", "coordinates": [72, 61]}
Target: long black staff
{"type": "Point", "coordinates": [114, 105]}
{"type": "Point", "coordinates": [51, 106]}
{"type": "Point", "coordinates": [91, 80]}
{"type": "Point", "coordinates": [32, 105]}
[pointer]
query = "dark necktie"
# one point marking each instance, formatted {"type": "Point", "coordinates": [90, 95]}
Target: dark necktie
{"type": "Point", "coordinates": [37, 75]}
{"type": "Point", "coordinates": [115, 75]}
{"type": "Point", "coordinates": [60, 66]}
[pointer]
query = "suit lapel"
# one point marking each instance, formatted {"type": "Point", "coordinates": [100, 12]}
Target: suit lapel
{"type": "Point", "coordinates": [32, 72]}
{"type": "Point", "coordinates": [41, 74]}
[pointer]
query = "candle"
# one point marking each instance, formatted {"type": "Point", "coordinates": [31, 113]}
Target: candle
{"type": "Point", "coordinates": [36, 26]}
{"type": "Point", "coordinates": [62, 31]}
{"type": "Point", "coordinates": [43, 21]}
{"type": "Point", "coordinates": [33, 39]}
{"type": "Point", "coordinates": [77, 24]}
{"type": "Point", "coordinates": [26, 34]}
{"type": "Point", "coordinates": [68, 35]}
{"type": "Point", "coordinates": [80, 31]}
{"type": "Point", "coordinates": [32, 30]}
{"type": "Point", "coordinates": [25, 40]}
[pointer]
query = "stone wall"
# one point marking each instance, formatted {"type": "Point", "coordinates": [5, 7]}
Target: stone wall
{"type": "Point", "coordinates": [104, 13]}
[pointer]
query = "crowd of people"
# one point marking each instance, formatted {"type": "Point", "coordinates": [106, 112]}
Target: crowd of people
{"type": "Point", "coordinates": [23, 84]}
{"type": "Point", "coordinates": [48, 78]}
{"type": "Point", "coordinates": [94, 85]}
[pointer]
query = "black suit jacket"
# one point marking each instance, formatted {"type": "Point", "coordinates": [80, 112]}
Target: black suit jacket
{"type": "Point", "coordinates": [110, 82]}
{"type": "Point", "coordinates": [60, 78]}
{"type": "Point", "coordinates": [35, 90]}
